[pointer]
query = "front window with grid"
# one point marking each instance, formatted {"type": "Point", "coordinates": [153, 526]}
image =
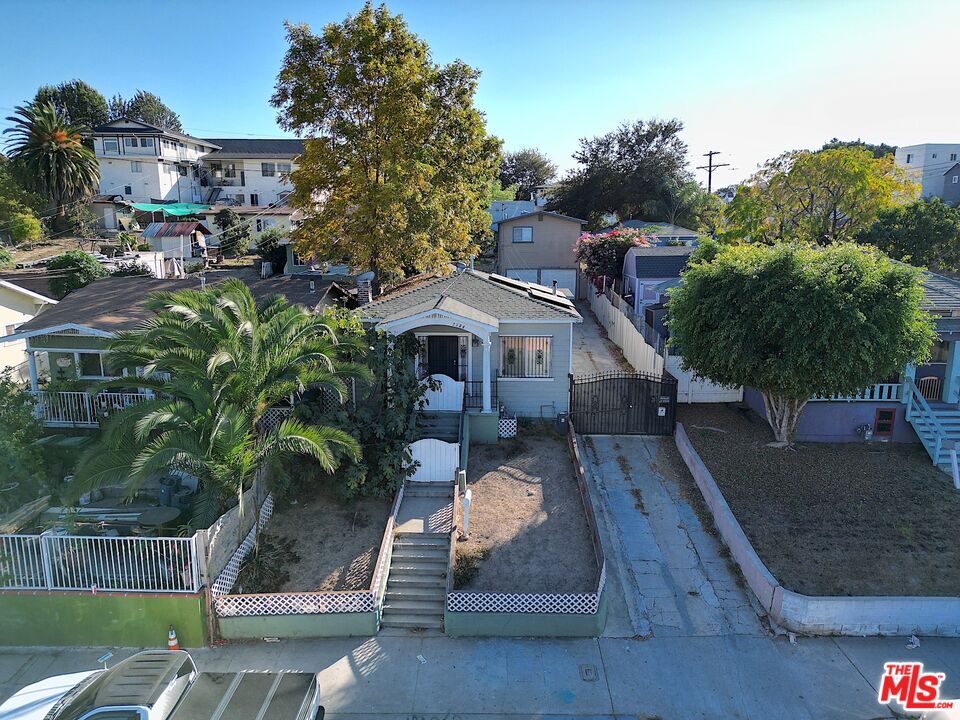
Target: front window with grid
{"type": "Point", "coordinates": [523, 234]}
{"type": "Point", "coordinates": [524, 357]}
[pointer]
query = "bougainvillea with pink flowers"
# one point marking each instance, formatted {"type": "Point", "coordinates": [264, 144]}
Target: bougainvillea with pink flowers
{"type": "Point", "coordinates": [603, 253]}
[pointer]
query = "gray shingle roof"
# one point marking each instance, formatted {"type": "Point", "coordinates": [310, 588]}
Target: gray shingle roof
{"type": "Point", "coordinates": [473, 289]}
{"type": "Point", "coordinates": [540, 211]}
{"type": "Point", "coordinates": [941, 293]}
{"type": "Point", "coordinates": [256, 147]}
{"type": "Point", "coordinates": [661, 262]}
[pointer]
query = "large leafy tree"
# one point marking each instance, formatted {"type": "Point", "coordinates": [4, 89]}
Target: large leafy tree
{"type": "Point", "coordinates": [228, 360]}
{"type": "Point", "coordinates": [235, 234]}
{"type": "Point", "coordinates": [878, 150]}
{"type": "Point", "coordinates": [681, 201]}
{"type": "Point", "coordinates": [77, 102]}
{"type": "Point", "coordinates": [50, 158]}
{"type": "Point", "coordinates": [794, 321]}
{"type": "Point", "coordinates": [23, 473]}
{"type": "Point", "coordinates": [146, 107]}
{"type": "Point", "coordinates": [527, 169]}
{"type": "Point", "coordinates": [397, 161]}
{"type": "Point", "coordinates": [619, 172]}
{"type": "Point", "coordinates": [817, 197]}
{"type": "Point", "coordinates": [924, 233]}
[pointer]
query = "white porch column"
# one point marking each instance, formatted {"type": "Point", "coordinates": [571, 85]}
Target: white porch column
{"type": "Point", "coordinates": [32, 367]}
{"type": "Point", "coordinates": [486, 374]}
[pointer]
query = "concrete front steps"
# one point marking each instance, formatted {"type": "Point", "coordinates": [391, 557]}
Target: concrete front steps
{"type": "Point", "coordinates": [441, 426]}
{"type": "Point", "coordinates": [417, 583]}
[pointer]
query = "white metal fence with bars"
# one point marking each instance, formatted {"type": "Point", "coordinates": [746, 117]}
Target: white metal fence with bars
{"type": "Point", "coordinates": [566, 603]}
{"type": "Point", "coordinates": [121, 564]}
{"type": "Point", "coordinates": [74, 408]}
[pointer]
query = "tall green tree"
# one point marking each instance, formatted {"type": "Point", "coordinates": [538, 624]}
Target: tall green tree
{"type": "Point", "coordinates": [397, 159]}
{"type": "Point", "coordinates": [527, 169]}
{"type": "Point", "coordinates": [619, 172]}
{"type": "Point", "coordinates": [819, 197]}
{"type": "Point", "coordinates": [23, 472]}
{"type": "Point", "coordinates": [145, 107]}
{"type": "Point", "coordinates": [77, 102]}
{"type": "Point", "coordinates": [236, 236]}
{"type": "Point", "coordinates": [925, 233]}
{"type": "Point", "coordinates": [878, 150]}
{"type": "Point", "coordinates": [50, 158]}
{"type": "Point", "coordinates": [794, 321]}
{"type": "Point", "coordinates": [681, 201]}
{"type": "Point", "coordinates": [227, 359]}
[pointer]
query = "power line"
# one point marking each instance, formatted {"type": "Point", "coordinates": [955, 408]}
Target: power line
{"type": "Point", "coordinates": [710, 167]}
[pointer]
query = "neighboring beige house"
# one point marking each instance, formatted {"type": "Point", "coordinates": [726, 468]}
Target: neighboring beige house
{"type": "Point", "coordinates": [17, 306]}
{"type": "Point", "coordinates": [540, 247]}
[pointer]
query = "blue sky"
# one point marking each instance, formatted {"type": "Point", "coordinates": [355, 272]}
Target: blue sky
{"type": "Point", "coordinates": [751, 78]}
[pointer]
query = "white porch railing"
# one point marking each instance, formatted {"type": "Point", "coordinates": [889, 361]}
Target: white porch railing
{"type": "Point", "coordinates": [874, 393]}
{"type": "Point", "coordinates": [124, 564]}
{"type": "Point", "coordinates": [449, 396]}
{"type": "Point", "coordinates": [81, 409]}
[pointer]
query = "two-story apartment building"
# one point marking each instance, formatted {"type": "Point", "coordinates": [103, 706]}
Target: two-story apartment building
{"type": "Point", "coordinates": [145, 163]}
{"type": "Point", "coordinates": [541, 247]}
{"type": "Point", "coordinates": [249, 171]}
{"type": "Point", "coordinates": [933, 166]}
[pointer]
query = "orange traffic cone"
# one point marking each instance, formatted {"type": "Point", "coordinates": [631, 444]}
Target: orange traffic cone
{"type": "Point", "coordinates": [172, 642]}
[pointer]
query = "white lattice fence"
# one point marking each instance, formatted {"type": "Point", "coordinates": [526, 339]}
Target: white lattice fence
{"type": "Point", "coordinates": [573, 603]}
{"type": "Point", "coordinates": [228, 577]}
{"type": "Point", "coordinates": [272, 417]}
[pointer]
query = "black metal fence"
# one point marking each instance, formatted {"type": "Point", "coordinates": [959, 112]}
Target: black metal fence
{"type": "Point", "coordinates": [623, 403]}
{"type": "Point", "coordinates": [473, 394]}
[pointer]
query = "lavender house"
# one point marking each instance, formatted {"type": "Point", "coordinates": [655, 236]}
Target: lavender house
{"type": "Point", "coordinates": [919, 403]}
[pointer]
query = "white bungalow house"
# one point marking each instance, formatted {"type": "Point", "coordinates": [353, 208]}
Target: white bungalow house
{"type": "Point", "coordinates": [18, 305]}
{"type": "Point", "coordinates": [491, 341]}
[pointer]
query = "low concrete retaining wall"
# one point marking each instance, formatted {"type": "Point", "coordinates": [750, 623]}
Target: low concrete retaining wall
{"type": "Point", "coordinates": [81, 618]}
{"type": "Point", "coordinates": [353, 624]}
{"type": "Point", "coordinates": [882, 615]}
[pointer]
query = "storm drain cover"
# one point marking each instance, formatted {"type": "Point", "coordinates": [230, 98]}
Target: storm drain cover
{"type": "Point", "coordinates": [588, 673]}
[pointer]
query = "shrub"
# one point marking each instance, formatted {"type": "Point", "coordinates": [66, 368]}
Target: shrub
{"type": "Point", "coordinates": [130, 269]}
{"type": "Point", "coordinates": [73, 270]}
{"type": "Point", "coordinates": [270, 250]}
{"type": "Point", "coordinates": [6, 258]}
{"type": "Point", "coordinates": [603, 253]}
{"type": "Point", "coordinates": [25, 227]}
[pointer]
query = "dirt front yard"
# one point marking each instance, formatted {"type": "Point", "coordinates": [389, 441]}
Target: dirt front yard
{"type": "Point", "coordinates": [834, 518]}
{"type": "Point", "coordinates": [528, 528]}
{"type": "Point", "coordinates": [336, 544]}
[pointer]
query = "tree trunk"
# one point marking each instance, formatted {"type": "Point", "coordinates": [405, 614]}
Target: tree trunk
{"type": "Point", "coordinates": [783, 414]}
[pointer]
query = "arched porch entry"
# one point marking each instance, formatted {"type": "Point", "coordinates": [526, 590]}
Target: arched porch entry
{"type": "Point", "coordinates": [449, 334]}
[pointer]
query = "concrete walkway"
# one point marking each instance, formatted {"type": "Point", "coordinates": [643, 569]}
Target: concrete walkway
{"type": "Point", "coordinates": [592, 352]}
{"type": "Point", "coordinates": [679, 580]}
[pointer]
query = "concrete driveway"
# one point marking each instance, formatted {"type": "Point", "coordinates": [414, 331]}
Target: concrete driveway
{"type": "Point", "coordinates": [676, 576]}
{"type": "Point", "coordinates": [592, 351]}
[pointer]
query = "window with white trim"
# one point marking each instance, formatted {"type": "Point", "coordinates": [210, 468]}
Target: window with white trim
{"type": "Point", "coordinates": [91, 365]}
{"type": "Point", "coordinates": [146, 142]}
{"type": "Point", "coordinates": [268, 169]}
{"type": "Point", "coordinates": [954, 179]}
{"type": "Point", "coordinates": [524, 356]}
{"type": "Point", "coordinates": [130, 142]}
{"type": "Point", "coordinates": [136, 166]}
{"type": "Point", "coordinates": [110, 145]}
{"type": "Point", "coordinates": [523, 234]}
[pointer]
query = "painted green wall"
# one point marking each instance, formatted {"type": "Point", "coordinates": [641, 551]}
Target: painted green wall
{"type": "Point", "coordinates": [359, 624]}
{"type": "Point", "coordinates": [130, 620]}
{"type": "Point", "coordinates": [484, 427]}
{"type": "Point", "coordinates": [526, 624]}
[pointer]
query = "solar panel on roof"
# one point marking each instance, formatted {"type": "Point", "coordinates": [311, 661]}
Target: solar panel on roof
{"type": "Point", "coordinates": [509, 282]}
{"type": "Point", "coordinates": [549, 297]}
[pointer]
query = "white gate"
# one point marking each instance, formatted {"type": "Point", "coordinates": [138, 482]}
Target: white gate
{"type": "Point", "coordinates": [449, 395]}
{"type": "Point", "coordinates": [438, 460]}
{"type": "Point", "coordinates": [694, 390]}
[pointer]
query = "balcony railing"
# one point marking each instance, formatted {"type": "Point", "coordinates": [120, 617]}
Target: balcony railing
{"type": "Point", "coordinates": [880, 392]}
{"type": "Point", "coordinates": [82, 409]}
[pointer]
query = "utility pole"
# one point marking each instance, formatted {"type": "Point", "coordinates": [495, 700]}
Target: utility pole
{"type": "Point", "coordinates": [710, 167]}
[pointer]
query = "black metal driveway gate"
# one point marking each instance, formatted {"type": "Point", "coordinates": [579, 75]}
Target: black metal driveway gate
{"type": "Point", "coordinates": [623, 403]}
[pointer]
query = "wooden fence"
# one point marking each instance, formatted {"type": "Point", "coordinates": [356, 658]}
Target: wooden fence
{"type": "Point", "coordinates": [624, 335]}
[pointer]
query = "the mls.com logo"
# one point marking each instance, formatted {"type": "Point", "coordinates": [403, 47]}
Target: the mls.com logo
{"type": "Point", "coordinates": [909, 685]}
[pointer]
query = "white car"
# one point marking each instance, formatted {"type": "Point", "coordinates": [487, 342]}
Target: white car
{"type": "Point", "coordinates": [165, 685]}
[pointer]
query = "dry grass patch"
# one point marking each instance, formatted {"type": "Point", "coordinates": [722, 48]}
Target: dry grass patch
{"type": "Point", "coordinates": [834, 518]}
{"type": "Point", "coordinates": [528, 528]}
{"type": "Point", "coordinates": [334, 545]}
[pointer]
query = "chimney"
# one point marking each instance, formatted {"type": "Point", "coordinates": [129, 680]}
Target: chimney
{"type": "Point", "coordinates": [313, 288]}
{"type": "Point", "coordinates": [364, 292]}
{"type": "Point", "coordinates": [554, 287]}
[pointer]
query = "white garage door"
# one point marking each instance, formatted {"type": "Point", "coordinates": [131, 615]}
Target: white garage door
{"type": "Point", "coordinates": [566, 279]}
{"type": "Point", "coordinates": [524, 275]}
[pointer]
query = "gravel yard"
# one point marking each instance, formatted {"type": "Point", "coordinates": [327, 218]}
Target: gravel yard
{"type": "Point", "coordinates": [337, 543]}
{"type": "Point", "coordinates": [528, 528]}
{"type": "Point", "coordinates": [834, 519]}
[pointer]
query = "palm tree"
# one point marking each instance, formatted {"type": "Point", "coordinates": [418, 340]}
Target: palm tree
{"type": "Point", "coordinates": [218, 361]}
{"type": "Point", "coordinates": [50, 157]}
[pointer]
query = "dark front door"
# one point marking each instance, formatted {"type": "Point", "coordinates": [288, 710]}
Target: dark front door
{"type": "Point", "coordinates": [443, 355]}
